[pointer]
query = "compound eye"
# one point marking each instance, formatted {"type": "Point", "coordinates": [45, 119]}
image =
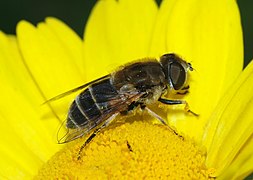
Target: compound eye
{"type": "Point", "coordinates": [177, 75]}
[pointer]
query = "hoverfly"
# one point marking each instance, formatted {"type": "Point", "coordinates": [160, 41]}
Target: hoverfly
{"type": "Point", "coordinates": [135, 85]}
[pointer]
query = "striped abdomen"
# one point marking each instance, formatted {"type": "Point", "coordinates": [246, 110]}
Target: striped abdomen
{"type": "Point", "coordinates": [92, 106]}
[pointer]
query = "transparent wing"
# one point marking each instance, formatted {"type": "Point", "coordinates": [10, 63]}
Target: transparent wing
{"type": "Point", "coordinates": [76, 89]}
{"type": "Point", "coordinates": [70, 135]}
{"type": "Point", "coordinates": [116, 104]}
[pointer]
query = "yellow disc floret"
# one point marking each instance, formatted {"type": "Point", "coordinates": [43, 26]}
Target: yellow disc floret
{"type": "Point", "coordinates": [135, 150]}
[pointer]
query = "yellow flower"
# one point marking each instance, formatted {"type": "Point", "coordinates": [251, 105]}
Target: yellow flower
{"type": "Point", "coordinates": [44, 61]}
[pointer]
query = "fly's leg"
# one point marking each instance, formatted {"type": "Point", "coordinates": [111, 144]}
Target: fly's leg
{"type": "Point", "coordinates": [174, 102]}
{"type": "Point", "coordinates": [94, 133]}
{"type": "Point", "coordinates": [87, 142]}
{"type": "Point", "coordinates": [129, 147]}
{"type": "Point", "coordinates": [185, 90]}
{"type": "Point", "coordinates": [152, 113]}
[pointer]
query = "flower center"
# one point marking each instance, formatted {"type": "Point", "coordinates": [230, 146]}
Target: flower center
{"type": "Point", "coordinates": [134, 150]}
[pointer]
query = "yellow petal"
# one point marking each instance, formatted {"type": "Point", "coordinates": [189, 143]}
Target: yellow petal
{"type": "Point", "coordinates": [24, 119]}
{"type": "Point", "coordinates": [230, 126]}
{"type": "Point", "coordinates": [51, 59]}
{"type": "Point", "coordinates": [18, 161]}
{"type": "Point", "coordinates": [158, 44]}
{"type": "Point", "coordinates": [117, 32]}
{"type": "Point", "coordinates": [241, 166]}
{"type": "Point", "coordinates": [208, 34]}
{"type": "Point", "coordinates": [70, 41]}
{"type": "Point", "coordinates": [13, 70]}
{"type": "Point", "coordinates": [25, 137]}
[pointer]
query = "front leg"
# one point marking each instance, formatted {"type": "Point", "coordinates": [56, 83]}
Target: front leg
{"type": "Point", "coordinates": [184, 90]}
{"type": "Point", "coordinates": [174, 102]}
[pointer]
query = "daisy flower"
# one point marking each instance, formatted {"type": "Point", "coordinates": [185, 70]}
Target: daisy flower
{"type": "Point", "coordinates": [44, 61]}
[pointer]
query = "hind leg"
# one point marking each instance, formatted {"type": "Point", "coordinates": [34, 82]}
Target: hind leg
{"type": "Point", "coordinates": [94, 133]}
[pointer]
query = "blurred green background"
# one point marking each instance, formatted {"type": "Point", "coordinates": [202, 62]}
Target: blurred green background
{"type": "Point", "coordinates": [75, 14]}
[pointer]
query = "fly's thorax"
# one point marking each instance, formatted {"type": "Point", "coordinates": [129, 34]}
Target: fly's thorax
{"type": "Point", "coordinates": [140, 75]}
